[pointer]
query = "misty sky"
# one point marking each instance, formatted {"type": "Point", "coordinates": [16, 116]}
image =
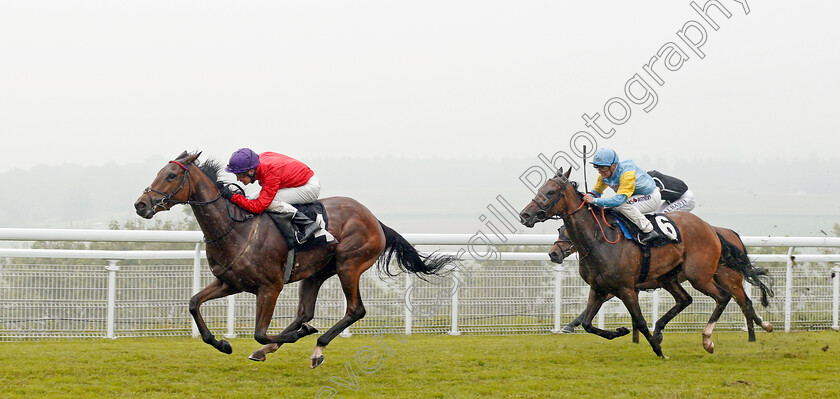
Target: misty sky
{"type": "Point", "coordinates": [114, 81]}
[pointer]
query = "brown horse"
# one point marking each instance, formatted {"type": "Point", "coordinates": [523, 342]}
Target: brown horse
{"type": "Point", "coordinates": [614, 267]}
{"type": "Point", "coordinates": [247, 253]}
{"type": "Point", "coordinates": [729, 275]}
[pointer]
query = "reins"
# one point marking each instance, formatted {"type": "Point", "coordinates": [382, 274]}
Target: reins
{"type": "Point", "coordinates": [604, 234]}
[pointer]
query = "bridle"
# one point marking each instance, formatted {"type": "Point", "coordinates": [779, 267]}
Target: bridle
{"type": "Point", "coordinates": [560, 193]}
{"type": "Point", "coordinates": [186, 181]}
{"type": "Point", "coordinates": [563, 238]}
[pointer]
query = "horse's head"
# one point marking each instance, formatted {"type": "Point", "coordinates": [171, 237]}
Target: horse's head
{"type": "Point", "coordinates": [550, 201]}
{"type": "Point", "coordinates": [562, 247]}
{"type": "Point", "coordinates": [172, 186]}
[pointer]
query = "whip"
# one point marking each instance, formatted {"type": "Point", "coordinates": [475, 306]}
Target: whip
{"type": "Point", "coordinates": [585, 184]}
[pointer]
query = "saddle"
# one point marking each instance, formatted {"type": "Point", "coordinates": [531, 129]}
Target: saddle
{"type": "Point", "coordinates": [289, 226]}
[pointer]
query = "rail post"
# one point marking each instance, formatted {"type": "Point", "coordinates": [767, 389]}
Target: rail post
{"type": "Point", "coordinates": [110, 313]}
{"type": "Point", "coordinates": [601, 313]}
{"type": "Point", "coordinates": [345, 333]}
{"type": "Point", "coordinates": [196, 284]}
{"type": "Point", "coordinates": [654, 309]}
{"type": "Point", "coordinates": [789, 289]}
{"type": "Point", "coordinates": [835, 305]}
{"type": "Point", "coordinates": [456, 286]}
{"type": "Point", "coordinates": [558, 297]}
{"type": "Point", "coordinates": [407, 303]}
{"type": "Point", "coordinates": [231, 317]}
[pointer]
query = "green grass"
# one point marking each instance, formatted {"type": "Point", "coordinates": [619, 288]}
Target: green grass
{"type": "Point", "coordinates": [779, 365]}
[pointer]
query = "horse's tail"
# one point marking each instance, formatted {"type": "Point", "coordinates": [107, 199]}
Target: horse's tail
{"type": "Point", "coordinates": [408, 259]}
{"type": "Point", "coordinates": [736, 259]}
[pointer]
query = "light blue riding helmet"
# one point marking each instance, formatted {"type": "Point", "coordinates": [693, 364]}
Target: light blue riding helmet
{"type": "Point", "coordinates": [605, 157]}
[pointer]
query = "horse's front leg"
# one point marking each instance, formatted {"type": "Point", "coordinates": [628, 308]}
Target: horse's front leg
{"type": "Point", "coordinates": [630, 297]}
{"type": "Point", "coordinates": [306, 311]}
{"type": "Point", "coordinates": [266, 299]}
{"type": "Point", "coordinates": [216, 289]}
{"type": "Point", "coordinates": [592, 308]}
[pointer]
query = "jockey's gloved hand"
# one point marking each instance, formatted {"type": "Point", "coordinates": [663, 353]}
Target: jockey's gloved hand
{"type": "Point", "coordinates": [226, 193]}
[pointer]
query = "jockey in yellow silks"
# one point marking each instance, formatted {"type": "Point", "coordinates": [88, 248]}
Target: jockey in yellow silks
{"type": "Point", "coordinates": [635, 191]}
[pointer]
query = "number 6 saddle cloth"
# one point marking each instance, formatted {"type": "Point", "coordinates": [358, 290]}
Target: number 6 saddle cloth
{"type": "Point", "coordinates": [668, 231]}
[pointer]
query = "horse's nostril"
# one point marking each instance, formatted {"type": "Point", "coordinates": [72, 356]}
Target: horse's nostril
{"type": "Point", "coordinates": [525, 215]}
{"type": "Point", "coordinates": [139, 205]}
{"type": "Point", "coordinates": [540, 214]}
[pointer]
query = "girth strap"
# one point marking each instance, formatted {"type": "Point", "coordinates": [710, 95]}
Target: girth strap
{"type": "Point", "coordinates": [290, 266]}
{"type": "Point", "coordinates": [645, 264]}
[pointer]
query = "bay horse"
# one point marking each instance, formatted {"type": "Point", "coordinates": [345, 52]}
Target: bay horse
{"type": "Point", "coordinates": [732, 269]}
{"type": "Point", "coordinates": [614, 267]}
{"type": "Point", "coordinates": [247, 253]}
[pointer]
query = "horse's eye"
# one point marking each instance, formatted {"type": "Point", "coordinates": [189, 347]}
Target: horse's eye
{"type": "Point", "coordinates": [171, 176]}
{"type": "Point", "coordinates": [550, 193]}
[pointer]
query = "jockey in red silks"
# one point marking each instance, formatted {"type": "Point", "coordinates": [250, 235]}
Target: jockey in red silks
{"type": "Point", "coordinates": [283, 180]}
{"type": "Point", "coordinates": [635, 191]}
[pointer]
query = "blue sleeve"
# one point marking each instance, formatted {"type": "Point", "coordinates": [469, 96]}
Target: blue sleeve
{"type": "Point", "coordinates": [611, 202]}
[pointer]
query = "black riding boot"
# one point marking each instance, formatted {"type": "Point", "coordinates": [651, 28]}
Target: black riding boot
{"type": "Point", "coordinates": [306, 227]}
{"type": "Point", "coordinates": [649, 236]}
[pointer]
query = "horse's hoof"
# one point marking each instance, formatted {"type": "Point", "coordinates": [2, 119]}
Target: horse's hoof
{"type": "Point", "coordinates": [306, 329]}
{"type": "Point", "coordinates": [257, 356]}
{"type": "Point", "coordinates": [663, 357]}
{"type": "Point", "coordinates": [622, 331]}
{"type": "Point", "coordinates": [316, 361]}
{"type": "Point", "coordinates": [767, 326]}
{"type": "Point", "coordinates": [567, 330]}
{"type": "Point", "coordinates": [709, 346]}
{"type": "Point", "coordinates": [225, 347]}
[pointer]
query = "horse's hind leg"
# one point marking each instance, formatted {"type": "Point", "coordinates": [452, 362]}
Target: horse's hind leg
{"type": "Point", "coordinates": [631, 301]}
{"type": "Point", "coordinates": [722, 298]}
{"type": "Point", "coordinates": [349, 275]}
{"type": "Point", "coordinates": [216, 289]}
{"type": "Point", "coordinates": [306, 311]}
{"type": "Point", "coordinates": [681, 299]}
{"type": "Point", "coordinates": [734, 283]}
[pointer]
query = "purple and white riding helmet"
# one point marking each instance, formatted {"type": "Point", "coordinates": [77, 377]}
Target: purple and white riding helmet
{"type": "Point", "coordinates": [243, 160]}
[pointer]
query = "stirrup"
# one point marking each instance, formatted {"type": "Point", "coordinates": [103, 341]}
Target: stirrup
{"type": "Point", "coordinates": [307, 232]}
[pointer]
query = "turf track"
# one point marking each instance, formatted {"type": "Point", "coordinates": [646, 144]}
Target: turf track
{"type": "Point", "coordinates": [535, 366]}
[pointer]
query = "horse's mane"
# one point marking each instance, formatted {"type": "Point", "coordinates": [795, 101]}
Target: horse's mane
{"type": "Point", "coordinates": [211, 169]}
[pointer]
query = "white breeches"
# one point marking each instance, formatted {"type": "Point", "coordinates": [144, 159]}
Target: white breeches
{"type": "Point", "coordinates": [685, 203]}
{"type": "Point", "coordinates": [306, 193]}
{"type": "Point", "coordinates": [637, 205]}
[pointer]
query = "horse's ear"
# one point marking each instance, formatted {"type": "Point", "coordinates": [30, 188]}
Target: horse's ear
{"type": "Point", "coordinates": [191, 158]}
{"type": "Point", "coordinates": [567, 174]}
{"type": "Point", "coordinates": [559, 172]}
{"type": "Point", "coordinates": [182, 156]}
{"type": "Point", "coordinates": [575, 185]}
